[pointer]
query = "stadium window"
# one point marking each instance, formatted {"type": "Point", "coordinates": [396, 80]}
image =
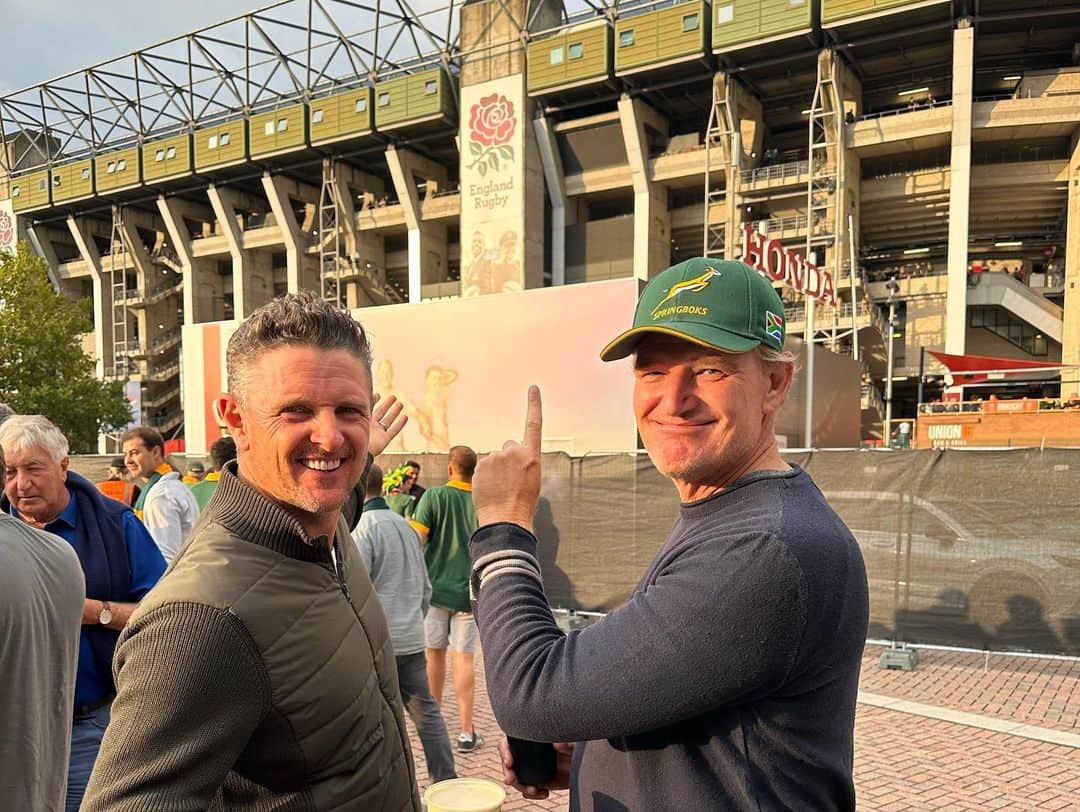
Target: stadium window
{"type": "Point", "coordinates": [110, 168]}
{"type": "Point", "coordinates": [689, 23]}
{"type": "Point", "coordinates": [725, 13]}
{"type": "Point", "coordinates": [16, 191]}
{"type": "Point", "coordinates": [282, 125]}
{"type": "Point", "coordinates": [361, 105]}
{"type": "Point", "coordinates": [211, 142]}
{"type": "Point", "coordinates": [556, 55]}
{"type": "Point", "coordinates": [430, 87]}
{"type": "Point", "coordinates": [121, 165]}
{"type": "Point", "coordinates": [85, 172]}
{"type": "Point", "coordinates": [626, 38]}
{"type": "Point", "coordinates": [56, 181]}
{"type": "Point", "coordinates": [384, 99]}
{"type": "Point", "coordinates": [159, 156]}
{"type": "Point", "coordinates": [42, 185]}
{"type": "Point", "coordinates": [170, 152]}
{"type": "Point", "coordinates": [224, 140]}
{"type": "Point", "coordinates": [576, 50]}
{"type": "Point", "coordinates": [268, 128]}
{"type": "Point", "coordinates": [317, 116]}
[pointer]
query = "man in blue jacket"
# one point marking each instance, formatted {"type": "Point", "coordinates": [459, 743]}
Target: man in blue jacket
{"type": "Point", "coordinates": [119, 560]}
{"type": "Point", "coordinates": [728, 679]}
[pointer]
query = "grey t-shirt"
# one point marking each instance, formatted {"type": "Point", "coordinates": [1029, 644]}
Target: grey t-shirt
{"type": "Point", "coordinates": [392, 554]}
{"type": "Point", "coordinates": [41, 601]}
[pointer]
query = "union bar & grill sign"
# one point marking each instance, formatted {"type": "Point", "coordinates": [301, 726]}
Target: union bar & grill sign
{"type": "Point", "coordinates": [771, 258]}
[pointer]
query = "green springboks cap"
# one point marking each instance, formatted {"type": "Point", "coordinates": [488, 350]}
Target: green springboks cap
{"type": "Point", "coordinates": [721, 304]}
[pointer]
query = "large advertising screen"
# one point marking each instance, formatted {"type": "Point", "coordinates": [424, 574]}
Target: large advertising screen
{"type": "Point", "coordinates": [462, 368]}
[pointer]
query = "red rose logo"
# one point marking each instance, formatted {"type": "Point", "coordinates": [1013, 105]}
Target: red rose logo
{"type": "Point", "coordinates": [7, 229]}
{"type": "Point", "coordinates": [491, 124]}
{"type": "Point", "coordinates": [492, 120]}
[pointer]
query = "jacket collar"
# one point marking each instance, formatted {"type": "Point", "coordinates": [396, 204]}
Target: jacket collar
{"type": "Point", "coordinates": [246, 513]}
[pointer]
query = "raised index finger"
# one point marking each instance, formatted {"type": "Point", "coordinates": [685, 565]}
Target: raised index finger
{"type": "Point", "coordinates": [534, 420]}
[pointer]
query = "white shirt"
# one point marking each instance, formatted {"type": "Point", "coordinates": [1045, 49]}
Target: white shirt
{"type": "Point", "coordinates": [169, 513]}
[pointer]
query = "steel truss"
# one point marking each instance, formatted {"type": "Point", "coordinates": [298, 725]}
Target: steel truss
{"type": "Point", "coordinates": [286, 52]}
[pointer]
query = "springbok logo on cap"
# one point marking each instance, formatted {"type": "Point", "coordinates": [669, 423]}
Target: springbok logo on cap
{"type": "Point", "coordinates": [695, 285]}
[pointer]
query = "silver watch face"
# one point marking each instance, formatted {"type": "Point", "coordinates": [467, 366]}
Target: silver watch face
{"type": "Point", "coordinates": [105, 618]}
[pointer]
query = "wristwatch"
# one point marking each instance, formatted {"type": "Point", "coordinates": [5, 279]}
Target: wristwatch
{"type": "Point", "coordinates": [105, 618]}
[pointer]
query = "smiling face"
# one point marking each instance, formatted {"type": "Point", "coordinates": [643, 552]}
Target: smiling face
{"type": "Point", "coordinates": [34, 483]}
{"type": "Point", "coordinates": [140, 460]}
{"type": "Point", "coordinates": [706, 416]}
{"type": "Point", "coordinates": [302, 434]}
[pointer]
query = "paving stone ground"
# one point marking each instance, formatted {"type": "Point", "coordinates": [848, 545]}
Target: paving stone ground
{"type": "Point", "coordinates": [908, 762]}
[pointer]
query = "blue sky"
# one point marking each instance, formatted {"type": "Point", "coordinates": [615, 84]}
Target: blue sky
{"type": "Point", "coordinates": [43, 39]}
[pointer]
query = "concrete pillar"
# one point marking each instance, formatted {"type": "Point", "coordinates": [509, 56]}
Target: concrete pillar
{"type": "Point", "coordinates": [1070, 334]}
{"type": "Point", "coordinates": [194, 271]}
{"type": "Point", "coordinates": [102, 293]}
{"type": "Point", "coordinates": [277, 194]}
{"type": "Point", "coordinates": [427, 241]}
{"type": "Point", "coordinates": [551, 162]}
{"type": "Point", "coordinates": [43, 248]}
{"type": "Point", "coordinates": [224, 202]}
{"type": "Point", "coordinates": [652, 222]}
{"type": "Point", "coordinates": [748, 126]}
{"type": "Point", "coordinates": [959, 188]}
{"type": "Point", "coordinates": [502, 200]}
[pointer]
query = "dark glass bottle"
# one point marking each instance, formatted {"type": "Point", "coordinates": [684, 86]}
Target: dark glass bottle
{"type": "Point", "coordinates": [534, 762]}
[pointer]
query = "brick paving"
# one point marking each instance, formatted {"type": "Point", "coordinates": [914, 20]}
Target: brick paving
{"type": "Point", "coordinates": [1031, 690]}
{"type": "Point", "coordinates": [902, 761]}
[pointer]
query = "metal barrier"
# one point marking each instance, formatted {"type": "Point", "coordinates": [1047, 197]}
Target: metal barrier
{"type": "Point", "coordinates": [792, 171]}
{"type": "Point", "coordinates": [962, 548]}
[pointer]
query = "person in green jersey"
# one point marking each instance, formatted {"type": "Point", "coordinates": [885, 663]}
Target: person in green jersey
{"type": "Point", "coordinates": [222, 450]}
{"type": "Point", "coordinates": [445, 519]}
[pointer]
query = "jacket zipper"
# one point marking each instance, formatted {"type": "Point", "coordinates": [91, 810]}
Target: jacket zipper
{"type": "Point", "coordinates": [336, 563]}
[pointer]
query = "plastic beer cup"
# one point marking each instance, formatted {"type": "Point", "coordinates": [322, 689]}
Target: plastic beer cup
{"type": "Point", "coordinates": [464, 795]}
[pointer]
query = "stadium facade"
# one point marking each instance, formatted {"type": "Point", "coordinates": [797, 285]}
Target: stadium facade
{"type": "Point", "coordinates": [488, 184]}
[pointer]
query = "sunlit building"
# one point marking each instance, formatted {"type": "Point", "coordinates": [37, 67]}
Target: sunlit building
{"type": "Point", "coordinates": [922, 154]}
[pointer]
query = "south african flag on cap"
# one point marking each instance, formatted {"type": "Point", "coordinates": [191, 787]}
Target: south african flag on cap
{"type": "Point", "coordinates": [774, 326]}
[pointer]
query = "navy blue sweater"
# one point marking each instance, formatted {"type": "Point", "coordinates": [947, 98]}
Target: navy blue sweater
{"type": "Point", "coordinates": [727, 681]}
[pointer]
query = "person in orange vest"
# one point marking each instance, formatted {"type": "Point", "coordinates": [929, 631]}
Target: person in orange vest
{"type": "Point", "coordinates": [118, 486]}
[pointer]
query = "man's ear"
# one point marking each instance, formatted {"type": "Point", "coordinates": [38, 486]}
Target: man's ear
{"type": "Point", "coordinates": [779, 377]}
{"type": "Point", "coordinates": [232, 415]}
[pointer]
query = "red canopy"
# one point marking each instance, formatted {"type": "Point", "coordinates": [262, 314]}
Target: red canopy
{"type": "Point", "coordinates": [968, 369]}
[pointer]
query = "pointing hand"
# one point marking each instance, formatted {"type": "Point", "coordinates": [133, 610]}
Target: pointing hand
{"type": "Point", "coordinates": [506, 485]}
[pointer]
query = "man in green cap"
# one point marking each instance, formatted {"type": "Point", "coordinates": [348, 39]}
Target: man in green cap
{"type": "Point", "coordinates": [728, 679]}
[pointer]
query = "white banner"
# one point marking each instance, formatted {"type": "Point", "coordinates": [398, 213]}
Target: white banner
{"type": "Point", "coordinates": [492, 183]}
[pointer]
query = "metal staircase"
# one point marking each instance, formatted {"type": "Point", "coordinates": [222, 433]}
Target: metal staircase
{"type": "Point", "coordinates": [336, 266]}
{"type": "Point", "coordinates": [824, 205]}
{"type": "Point", "coordinates": [330, 287]}
{"type": "Point", "coordinates": [721, 155]}
{"type": "Point", "coordinates": [118, 256]}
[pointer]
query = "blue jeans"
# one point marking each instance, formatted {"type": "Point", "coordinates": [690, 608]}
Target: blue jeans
{"type": "Point", "coordinates": [424, 711]}
{"type": "Point", "coordinates": [86, 736]}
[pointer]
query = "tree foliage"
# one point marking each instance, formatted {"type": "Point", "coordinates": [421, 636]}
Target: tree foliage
{"type": "Point", "coordinates": [43, 367]}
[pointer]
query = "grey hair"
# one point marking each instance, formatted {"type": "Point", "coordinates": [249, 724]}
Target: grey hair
{"type": "Point", "coordinates": [771, 356]}
{"type": "Point", "coordinates": [299, 319]}
{"type": "Point", "coordinates": [24, 431]}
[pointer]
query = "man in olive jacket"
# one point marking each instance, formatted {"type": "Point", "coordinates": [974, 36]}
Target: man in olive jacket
{"type": "Point", "coordinates": [259, 674]}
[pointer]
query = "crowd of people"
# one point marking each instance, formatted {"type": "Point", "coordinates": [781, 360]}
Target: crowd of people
{"type": "Point", "coordinates": [255, 639]}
